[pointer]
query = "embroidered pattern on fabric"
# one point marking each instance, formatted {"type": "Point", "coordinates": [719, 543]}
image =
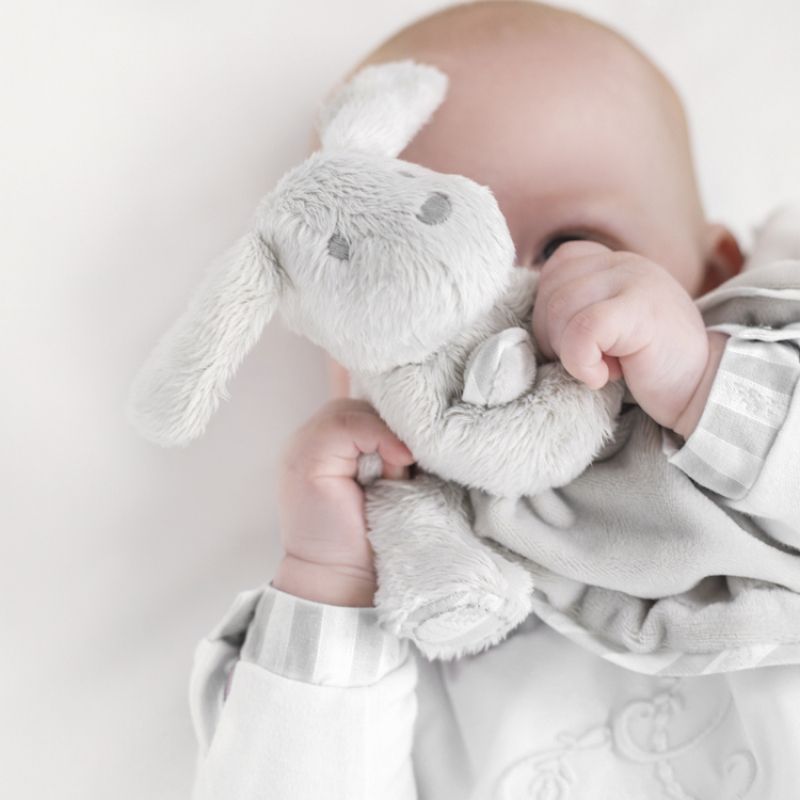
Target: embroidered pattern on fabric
{"type": "Point", "coordinates": [757, 401]}
{"type": "Point", "coordinates": [550, 774]}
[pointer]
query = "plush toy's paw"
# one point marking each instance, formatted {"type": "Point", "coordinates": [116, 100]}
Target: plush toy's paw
{"type": "Point", "coordinates": [369, 468]}
{"type": "Point", "coordinates": [473, 618]}
{"type": "Point", "coordinates": [438, 584]}
{"type": "Point", "coordinates": [500, 369]}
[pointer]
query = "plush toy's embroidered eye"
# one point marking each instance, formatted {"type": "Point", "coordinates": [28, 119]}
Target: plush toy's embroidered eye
{"type": "Point", "coordinates": [406, 174]}
{"type": "Point", "coordinates": [435, 209]}
{"type": "Point", "coordinates": [338, 247]}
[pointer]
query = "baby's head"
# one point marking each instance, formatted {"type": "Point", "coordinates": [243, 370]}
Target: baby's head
{"type": "Point", "coordinates": [576, 132]}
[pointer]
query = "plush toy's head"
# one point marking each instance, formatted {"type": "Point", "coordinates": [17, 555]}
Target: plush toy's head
{"type": "Point", "coordinates": [379, 261]}
{"type": "Point", "coordinates": [382, 261]}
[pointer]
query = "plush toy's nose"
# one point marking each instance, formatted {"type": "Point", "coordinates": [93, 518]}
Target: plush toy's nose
{"type": "Point", "coordinates": [435, 209]}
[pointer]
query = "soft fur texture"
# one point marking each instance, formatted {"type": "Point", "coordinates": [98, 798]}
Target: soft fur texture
{"type": "Point", "coordinates": [406, 276]}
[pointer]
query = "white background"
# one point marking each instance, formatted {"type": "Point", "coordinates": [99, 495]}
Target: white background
{"type": "Point", "coordinates": [136, 139]}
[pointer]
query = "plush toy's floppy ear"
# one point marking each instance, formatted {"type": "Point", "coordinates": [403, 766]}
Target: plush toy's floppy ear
{"type": "Point", "coordinates": [382, 107]}
{"type": "Point", "coordinates": [182, 382]}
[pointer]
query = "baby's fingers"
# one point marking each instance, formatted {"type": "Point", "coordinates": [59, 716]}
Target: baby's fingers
{"type": "Point", "coordinates": [554, 310]}
{"type": "Point", "coordinates": [596, 337]}
{"type": "Point", "coordinates": [331, 444]}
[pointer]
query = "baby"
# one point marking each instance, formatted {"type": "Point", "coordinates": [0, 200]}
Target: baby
{"type": "Point", "coordinates": [298, 693]}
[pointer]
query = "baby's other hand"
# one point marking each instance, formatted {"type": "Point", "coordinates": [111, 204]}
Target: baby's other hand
{"type": "Point", "coordinates": [608, 314]}
{"type": "Point", "coordinates": [321, 507]}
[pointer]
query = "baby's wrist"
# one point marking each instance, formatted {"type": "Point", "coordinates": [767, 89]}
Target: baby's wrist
{"type": "Point", "coordinates": [332, 584]}
{"type": "Point", "coordinates": [688, 419]}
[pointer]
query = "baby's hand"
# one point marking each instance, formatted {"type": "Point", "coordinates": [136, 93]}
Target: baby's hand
{"type": "Point", "coordinates": [321, 507]}
{"type": "Point", "coordinates": [609, 314]}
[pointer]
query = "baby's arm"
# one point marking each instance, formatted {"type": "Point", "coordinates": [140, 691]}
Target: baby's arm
{"type": "Point", "coordinates": [298, 693]}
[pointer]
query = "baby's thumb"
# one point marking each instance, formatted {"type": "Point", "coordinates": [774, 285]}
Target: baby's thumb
{"type": "Point", "coordinates": [396, 457]}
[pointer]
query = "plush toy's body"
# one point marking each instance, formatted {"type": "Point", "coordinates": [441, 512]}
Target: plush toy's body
{"type": "Point", "coordinates": [486, 415]}
{"type": "Point", "coordinates": [406, 276]}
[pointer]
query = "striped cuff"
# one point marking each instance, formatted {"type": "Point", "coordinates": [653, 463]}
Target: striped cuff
{"type": "Point", "coordinates": [747, 405]}
{"type": "Point", "coordinates": [319, 643]}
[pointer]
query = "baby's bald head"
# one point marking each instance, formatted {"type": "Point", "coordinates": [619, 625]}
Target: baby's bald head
{"type": "Point", "coordinates": [576, 132]}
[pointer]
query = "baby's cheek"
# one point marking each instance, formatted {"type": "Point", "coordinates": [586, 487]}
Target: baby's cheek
{"type": "Point", "coordinates": [687, 267]}
{"type": "Point", "coordinates": [338, 379]}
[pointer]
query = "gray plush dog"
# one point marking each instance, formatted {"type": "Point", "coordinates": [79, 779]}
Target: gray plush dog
{"type": "Point", "coordinates": [406, 277]}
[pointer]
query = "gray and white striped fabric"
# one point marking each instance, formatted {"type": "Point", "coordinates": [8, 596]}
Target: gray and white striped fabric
{"type": "Point", "coordinates": [754, 386]}
{"type": "Point", "coordinates": [318, 643]}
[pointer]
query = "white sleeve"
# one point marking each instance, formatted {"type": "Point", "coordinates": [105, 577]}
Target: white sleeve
{"type": "Point", "coordinates": [746, 446]}
{"type": "Point", "coordinates": [298, 700]}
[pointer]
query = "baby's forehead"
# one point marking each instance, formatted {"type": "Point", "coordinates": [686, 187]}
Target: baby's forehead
{"type": "Point", "coordinates": [514, 59]}
{"type": "Point", "coordinates": [544, 115]}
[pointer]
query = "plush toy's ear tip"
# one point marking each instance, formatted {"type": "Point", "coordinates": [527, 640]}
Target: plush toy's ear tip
{"type": "Point", "coordinates": [185, 377]}
{"type": "Point", "coordinates": [382, 107]}
{"type": "Point", "coordinates": [157, 412]}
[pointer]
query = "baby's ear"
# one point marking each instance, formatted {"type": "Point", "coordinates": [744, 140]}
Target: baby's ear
{"type": "Point", "coordinates": [722, 258]}
{"type": "Point", "coordinates": [382, 108]}
{"type": "Point", "coordinates": [185, 377]}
